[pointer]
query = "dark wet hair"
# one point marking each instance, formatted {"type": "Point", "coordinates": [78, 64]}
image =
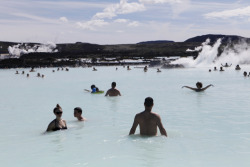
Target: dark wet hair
{"type": "Point", "coordinates": [149, 102]}
{"type": "Point", "coordinates": [92, 86]}
{"type": "Point", "coordinates": [78, 109]}
{"type": "Point", "coordinates": [58, 107]}
{"type": "Point", "coordinates": [199, 84]}
{"type": "Point", "coordinates": [113, 84]}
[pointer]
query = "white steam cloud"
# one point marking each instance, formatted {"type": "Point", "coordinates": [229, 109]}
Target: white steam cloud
{"type": "Point", "coordinates": [208, 57]}
{"type": "Point", "coordinates": [17, 50]}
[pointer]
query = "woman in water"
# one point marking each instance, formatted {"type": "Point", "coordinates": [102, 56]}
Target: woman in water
{"type": "Point", "coordinates": [58, 123]}
{"type": "Point", "coordinates": [199, 87]}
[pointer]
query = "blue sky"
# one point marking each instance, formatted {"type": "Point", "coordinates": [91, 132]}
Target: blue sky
{"type": "Point", "coordinates": [120, 21]}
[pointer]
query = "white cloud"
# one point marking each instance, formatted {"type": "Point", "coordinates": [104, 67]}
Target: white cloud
{"type": "Point", "coordinates": [240, 12]}
{"type": "Point", "coordinates": [120, 8]}
{"type": "Point", "coordinates": [63, 19]}
{"type": "Point", "coordinates": [133, 24]}
{"type": "Point", "coordinates": [121, 20]}
{"type": "Point", "coordinates": [33, 17]}
{"type": "Point", "coordinates": [159, 1]}
{"type": "Point", "coordinates": [90, 25]}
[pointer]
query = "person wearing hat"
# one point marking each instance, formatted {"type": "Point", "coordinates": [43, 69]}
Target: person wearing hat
{"type": "Point", "coordinates": [78, 114]}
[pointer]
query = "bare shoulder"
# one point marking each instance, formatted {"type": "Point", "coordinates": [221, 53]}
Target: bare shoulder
{"type": "Point", "coordinates": [155, 115]}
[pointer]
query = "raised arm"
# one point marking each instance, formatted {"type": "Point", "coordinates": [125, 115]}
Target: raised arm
{"type": "Point", "coordinates": [189, 88]}
{"type": "Point", "coordinates": [207, 87]}
{"type": "Point", "coordinates": [160, 126]}
{"type": "Point", "coordinates": [135, 124]}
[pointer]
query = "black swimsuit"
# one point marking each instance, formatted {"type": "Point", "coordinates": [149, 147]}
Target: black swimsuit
{"type": "Point", "coordinates": [58, 128]}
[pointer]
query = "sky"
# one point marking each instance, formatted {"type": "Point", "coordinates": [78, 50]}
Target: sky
{"type": "Point", "coordinates": [120, 21]}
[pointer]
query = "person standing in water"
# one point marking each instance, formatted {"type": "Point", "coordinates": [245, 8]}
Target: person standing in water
{"type": "Point", "coordinates": [78, 114]}
{"type": "Point", "coordinates": [113, 91]}
{"type": "Point", "coordinates": [148, 121]}
{"type": "Point", "coordinates": [58, 123]}
{"type": "Point", "coordinates": [199, 87]}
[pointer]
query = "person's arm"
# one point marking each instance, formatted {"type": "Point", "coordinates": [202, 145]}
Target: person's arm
{"type": "Point", "coordinates": [222, 65]}
{"type": "Point", "coordinates": [189, 88]}
{"type": "Point", "coordinates": [207, 87]}
{"type": "Point", "coordinates": [119, 93]}
{"type": "Point", "coordinates": [107, 93]}
{"type": "Point", "coordinates": [135, 124]}
{"type": "Point", "coordinates": [50, 126]}
{"type": "Point", "coordinates": [230, 65]}
{"type": "Point", "coordinates": [160, 126]}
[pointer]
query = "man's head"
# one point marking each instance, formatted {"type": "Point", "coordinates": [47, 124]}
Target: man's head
{"type": "Point", "coordinates": [199, 85]}
{"type": "Point", "coordinates": [113, 85]}
{"type": "Point", "coordinates": [149, 102]}
{"type": "Point", "coordinates": [77, 112]}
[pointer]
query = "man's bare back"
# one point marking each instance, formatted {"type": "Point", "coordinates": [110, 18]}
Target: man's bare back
{"type": "Point", "coordinates": [148, 122]}
{"type": "Point", "coordinates": [113, 91]}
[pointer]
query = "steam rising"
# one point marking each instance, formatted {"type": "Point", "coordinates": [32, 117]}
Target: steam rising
{"type": "Point", "coordinates": [208, 56]}
{"type": "Point", "coordinates": [17, 50]}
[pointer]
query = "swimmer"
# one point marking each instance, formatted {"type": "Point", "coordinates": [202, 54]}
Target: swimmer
{"type": "Point", "coordinates": [221, 69]}
{"type": "Point", "coordinates": [58, 123]}
{"type": "Point", "coordinates": [209, 70]}
{"type": "Point", "coordinates": [28, 75]}
{"type": "Point", "coordinates": [53, 70]}
{"type": "Point", "coordinates": [215, 69]}
{"type": "Point", "coordinates": [94, 89]}
{"type": "Point", "coordinates": [226, 65]}
{"type": "Point", "coordinates": [43, 76]}
{"type": "Point", "coordinates": [148, 121]}
{"type": "Point", "coordinates": [237, 67]}
{"type": "Point", "coordinates": [199, 87]}
{"type": "Point", "coordinates": [58, 69]}
{"type": "Point", "coordinates": [32, 69]}
{"type": "Point", "coordinates": [116, 68]}
{"type": "Point", "coordinates": [249, 74]}
{"type": "Point", "coordinates": [23, 72]}
{"type": "Point", "coordinates": [67, 69]}
{"type": "Point", "coordinates": [128, 68]}
{"type": "Point", "coordinates": [94, 69]}
{"type": "Point", "coordinates": [158, 70]}
{"type": "Point", "coordinates": [113, 91]}
{"type": "Point", "coordinates": [17, 72]}
{"type": "Point", "coordinates": [145, 69]}
{"type": "Point", "coordinates": [38, 75]}
{"type": "Point", "coordinates": [78, 114]}
{"type": "Point", "coordinates": [62, 68]}
{"type": "Point", "coordinates": [245, 74]}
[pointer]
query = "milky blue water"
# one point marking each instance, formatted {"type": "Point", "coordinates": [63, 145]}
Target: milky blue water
{"type": "Point", "coordinates": [210, 128]}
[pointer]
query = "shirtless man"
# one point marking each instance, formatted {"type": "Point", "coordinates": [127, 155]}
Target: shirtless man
{"type": "Point", "coordinates": [78, 114]}
{"type": "Point", "coordinates": [148, 121]}
{"type": "Point", "coordinates": [113, 91]}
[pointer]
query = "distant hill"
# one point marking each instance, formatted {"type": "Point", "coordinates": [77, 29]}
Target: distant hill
{"type": "Point", "coordinates": [155, 42]}
{"type": "Point", "coordinates": [214, 38]}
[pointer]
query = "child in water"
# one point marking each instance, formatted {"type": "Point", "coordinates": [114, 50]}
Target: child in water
{"type": "Point", "coordinates": [94, 89]}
